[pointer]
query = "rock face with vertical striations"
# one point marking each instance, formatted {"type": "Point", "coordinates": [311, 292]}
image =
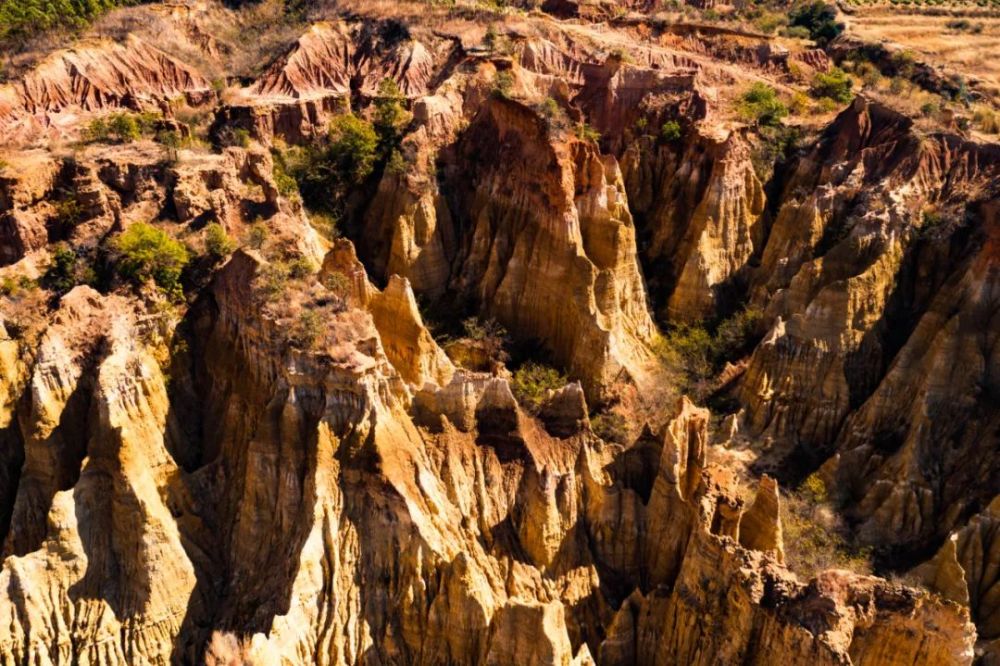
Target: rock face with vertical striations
{"type": "Point", "coordinates": [304, 420]}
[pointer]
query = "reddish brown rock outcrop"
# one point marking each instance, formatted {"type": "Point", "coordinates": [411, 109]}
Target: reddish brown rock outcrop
{"type": "Point", "coordinates": [94, 77]}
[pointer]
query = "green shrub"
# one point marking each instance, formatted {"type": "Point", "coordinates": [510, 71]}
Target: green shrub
{"type": "Point", "coordinates": [670, 131]}
{"type": "Point", "coordinates": [503, 84]}
{"type": "Point", "coordinates": [819, 18]}
{"type": "Point", "coordinates": [827, 105]}
{"type": "Point", "coordinates": [339, 286]}
{"type": "Point", "coordinates": [532, 382]}
{"type": "Point", "coordinates": [124, 127]}
{"type": "Point", "coordinates": [144, 252]}
{"type": "Point", "coordinates": [308, 328]}
{"type": "Point", "coordinates": [273, 280]}
{"type": "Point", "coordinates": [585, 132]}
{"type": "Point", "coordinates": [353, 142]}
{"type": "Point", "coordinates": [69, 213]}
{"type": "Point", "coordinates": [287, 185]}
{"type": "Point", "coordinates": [491, 336]}
{"type": "Point", "coordinates": [171, 141]}
{"type": "Point", "coordinates": [555, 117]}
{"type": "Point", "coordinates": [696, 354]}
{"type": "Point", "coordinates": [687, 349]}
{"type": "Point", "coordinates": [796, 32]}
{"type": "Point", "coordinates": [760, 104]}
{"type": "Point", "coordinates": [815, 536]}
{"type": "Point", "coordinates": [97, 130]}
{"type": "Point", "coordinates": [736, 335]}
{"type": "Point", "coordinates": [869, 73]}
{"type": "Point", "coordinates": [769, 22]}
{"type": "Point", "coordinates": [217, 241]}
{"type": "Point", "coordinates": [300, 267]}
{"type": "Point", "coordinates": [257, 235]}
{"type": "Point", "coordinates": [775, 145]}
{"type": "Point", "coordinates": [904, 62]}
{"type": "Point", "coordinates": [324, 173]}
{"type": "Point", "coordinates": [10, 286]}
{"type": "Point", "coordinates": [325, 224]}
{"type": "Point", "coordinates": [396, 164]}
{"type": "Point", "coordinates": [610, 427]}
{"type": "Point", "coordinates": [799, 103]}
{"type": "Point", "coordinates": [835, 84]}
{"type": "Point", "coordinates": [60, 276]}
{"type": "Point", "coordinates": [234, 136]}
{"type": "Point", "coordinates": [390, 115]}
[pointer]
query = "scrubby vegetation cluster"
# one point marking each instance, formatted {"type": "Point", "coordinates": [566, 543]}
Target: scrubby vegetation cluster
{"type": "Point", "coordinates": [325, 172]}
{"type": "Point", "coordinates": [815, 536]}
{"type": "Point", "coordinates": [696, 352]}
{"type": "Point", "coordinates": [533, 382]}
{"type": "Point", "coordinates": [22, 19]}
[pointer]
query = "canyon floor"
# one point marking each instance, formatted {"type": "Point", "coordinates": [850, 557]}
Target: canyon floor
{"type": "Point", "coordinates": [471, 333]}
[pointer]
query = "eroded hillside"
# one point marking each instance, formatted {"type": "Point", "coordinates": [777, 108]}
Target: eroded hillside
{"type": "Point", "coordinates": [426, 334]}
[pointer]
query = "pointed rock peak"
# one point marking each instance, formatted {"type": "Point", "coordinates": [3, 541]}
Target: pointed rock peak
{"type": "Point", "coordinates": [564, 413]}
{"type": "Point", "coordinates": [944, 574]}
{"type": "Point", "coordinates": [760, 526]}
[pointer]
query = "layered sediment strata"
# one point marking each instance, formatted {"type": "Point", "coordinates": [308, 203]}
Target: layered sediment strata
{"type": "Point", "coordinates": [94, 77]}
{"type": "Point", "coordinates": [843, 273]}
{"type": "Point", "coordinates": [406, 510]}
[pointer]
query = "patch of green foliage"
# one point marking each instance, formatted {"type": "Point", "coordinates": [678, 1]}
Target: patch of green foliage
{"type": "Point", "coordinates": [815, 536]}
{"type": "Point", "coordinates": [69, 213]}
{"type": "Point", "coordinates": [697, 353]}
{"type": "Point", "coordinates": [987, 120]}
{"type": "Point", "coordinates": [288, 185]}
{"type": "Point", "coordinates": [122, 127]}
{"type": "Point", "coordinates": [585, 132]}
{"type": "Point", "coordinates": [396, 163]}
{"type": "Point", "coordinates": [272, 280]}
{"type": "Point", "coordinates": [670, 131]}
{"type": "Point", "coordinates": [390, 117]}
{"type": "Point", "coordinates": [308, 328]}
{"type": "Point", "coordinates": [768, 22]}
{"type": "Point", "coordinates": [819, 18]}
{"type": "Point", "coordinates": [234, 136]}
{"type": "Point", "coordinates": [21, 20]}
{"type": "Point", "coordinates": [532, 382]}
{"type": "Point", "coordinates": [339, 286]}
{"type": "Point", "coordinates": [143, 252]}
{"type": "Point", "coordinates": [300, 267]}
{"type": "Point", "coordinates": [491, 336]}
{"type": "Point", "coordinates": [775, 145]}
{"type": "Point", "coordinates": [353, 148]}
{"type": "Point", "coordinates": [257, 235]}
{"type": "Point", "coordinates": [760, 104]}
{"type": "Point", "coordinates": [835, 85]}
{"type": "Point", "coordinates": [503, 85]}
{"type": "Point", "coordinates": [325, 171]}
{"type": "Point", "coordinates": [66, 271]}
{"type": "Point", "coordinates": [610, 427]}
{"type": "Point", "coordinates": [553, 114]}
{"type": "Point", "coordinates": [14, 287]}
{"type": "Point", "coordinates": [796, 32]}
{"type": "Point", "coordinates": [325, 223]}
{"type": "Point", "coordinates": [171, 141]}
{"type": "Point", "coordinates": [218, 244]}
